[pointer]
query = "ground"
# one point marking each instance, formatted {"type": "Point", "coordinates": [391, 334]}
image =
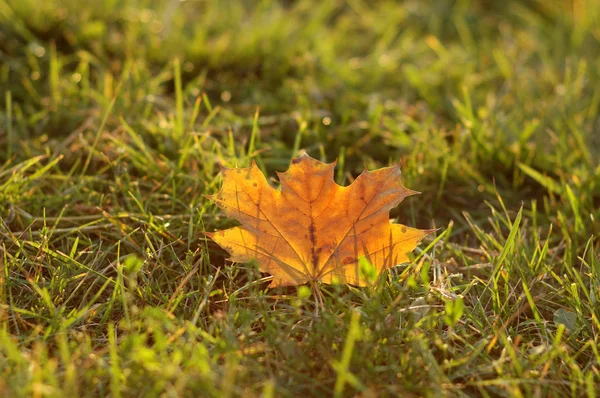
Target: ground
{"type": "Point", "coordinates": [114, 119]}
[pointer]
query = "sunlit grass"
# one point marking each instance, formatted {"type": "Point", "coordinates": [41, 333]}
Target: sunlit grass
{"type": "Point", "coordinates": [113, 122]}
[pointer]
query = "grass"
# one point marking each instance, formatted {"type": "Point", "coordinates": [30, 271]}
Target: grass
{"type": "Point", "coordinates": [113, 120]}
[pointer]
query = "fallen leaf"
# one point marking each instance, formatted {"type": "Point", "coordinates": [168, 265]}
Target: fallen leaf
{"type": "Point", "coordinates": [313, 229]}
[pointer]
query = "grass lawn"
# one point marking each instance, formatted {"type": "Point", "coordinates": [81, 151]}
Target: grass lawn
{"type": "Point", "coordinates": [115, 115]}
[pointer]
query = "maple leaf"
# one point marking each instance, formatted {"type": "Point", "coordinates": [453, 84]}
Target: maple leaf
{"type": "Point", "coordinates": [313, 229]}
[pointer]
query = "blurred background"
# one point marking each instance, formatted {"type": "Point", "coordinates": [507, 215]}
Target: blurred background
{"type": "Point", "coordinates": [451, 88]}
{"type": "Point", "coordinates": [463, 92]}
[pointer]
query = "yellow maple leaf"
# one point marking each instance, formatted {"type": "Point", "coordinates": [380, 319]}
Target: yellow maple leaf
{"type": "Point", "coordinates": [313, 229]}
